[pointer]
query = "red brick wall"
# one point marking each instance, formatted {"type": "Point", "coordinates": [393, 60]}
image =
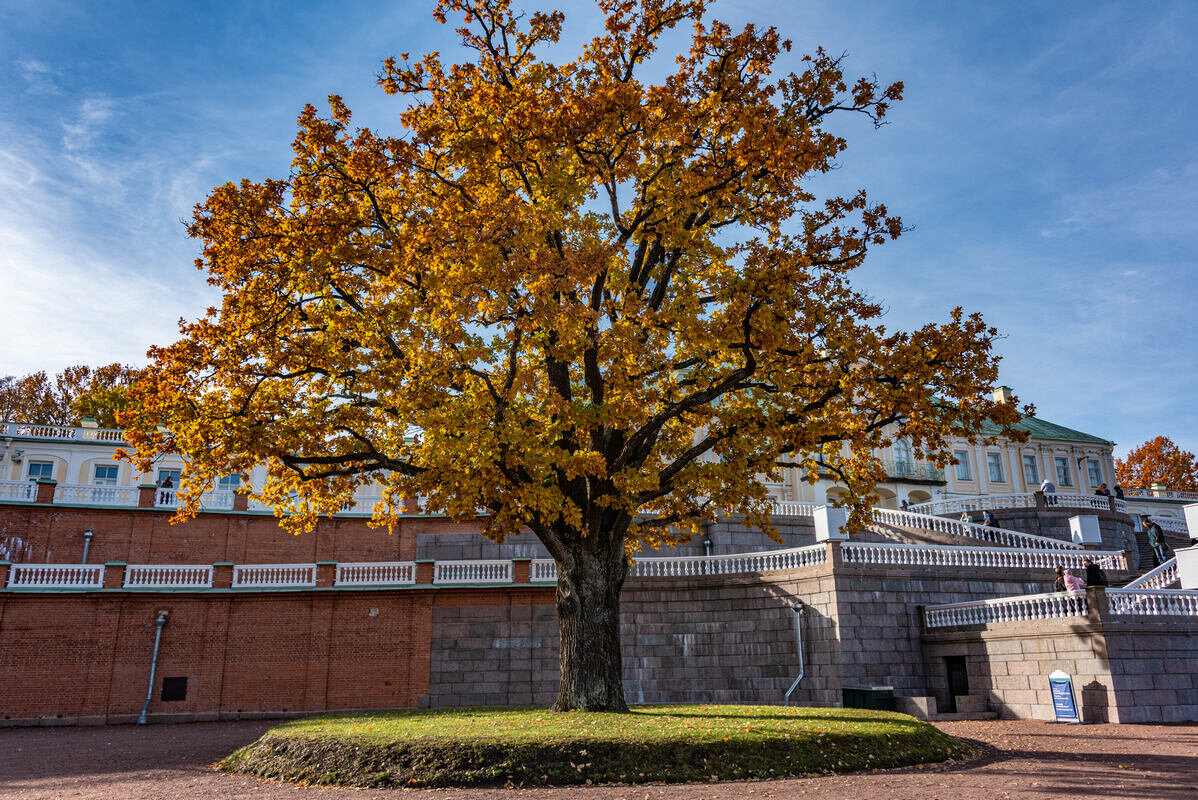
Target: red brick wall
{"type": "Point", "coordinates": [145, 536]}
{"type": "Point", "coordinates": [88, 655]}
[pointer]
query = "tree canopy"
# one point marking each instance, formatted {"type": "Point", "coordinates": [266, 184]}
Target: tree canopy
{"type": "Point", "coordinates": [76, 392]}
{"type": "Point", "coordinates": [596, 307]}
{"type": "Point", "coordinates": [1159, 461]}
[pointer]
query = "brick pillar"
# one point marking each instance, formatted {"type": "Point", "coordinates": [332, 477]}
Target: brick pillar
{"type": "Point", "coordinates": [411, 505]}
{"type": "Point", "coordinates": [1097, 612]}
{"type": "Point", "coordinates": [4, 569]}
{"type": "Point", "coordinates": [145, 495]}
{"type": "Point", "coordinates": [241, 501]}
{"type": "Point", "coordinates": [521, 570]}
{"type": "Point", "coordinates": [1111, 502]}
{"type": "Point", "coordinates": [326, 573]}
{"type": "Point", "coordinates": [424, 570]}
{"type": "Point", "coordinates": [222, 575]}
{"type": "Point", "coordinates": [45, 491]}
{"type": "Point", "coordinates": [114, 574]}
{"type": "Point", "coordinates": [834, 559]}
{"type": "Point", "coordinates": [1041, 503]}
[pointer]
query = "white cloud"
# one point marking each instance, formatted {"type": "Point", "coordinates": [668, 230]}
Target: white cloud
{"type": "Point", "coordinates": [39, 77]}
{"type": "Point", "coordinates": [94, 112]}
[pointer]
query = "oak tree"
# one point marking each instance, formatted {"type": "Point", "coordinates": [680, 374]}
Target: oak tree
{"type": "Point", "coordinates": [594, 306]}
{"type": "Point", "coordinates": [1158, 461]}
{"type": "Point", "coordinates": [76, 392]}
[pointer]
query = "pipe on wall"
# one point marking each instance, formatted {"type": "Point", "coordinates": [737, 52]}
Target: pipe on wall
{"type": "Point", "coordinates": [160, 623]}
{"type": "Point", "coordinates": [797, 606]}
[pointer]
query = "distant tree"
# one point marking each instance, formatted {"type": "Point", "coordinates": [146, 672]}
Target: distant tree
{"type": "Point", "coordinates": [1160, 461]}
{"type": "Point", "coordinates": [76, 392]}
{"type": "Point", "coordinates": [598, 308]}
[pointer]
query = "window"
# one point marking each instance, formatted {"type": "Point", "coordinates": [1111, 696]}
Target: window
{"type": "Point", "coordinates": [1063, 478]}
{"type": "Point", "coordinates": [173, 474]}
{"type": "Point", "coordinates": [228, 483]}
{"type": "Point", "coordinates": [902, 456]}
{"type": "Point", "coordinates": [41, 469]}
{"type": "Point", "coordinates": [1031, 475]}
{"type": "Point", "coordinates": [962, 457]}
{"type": "Point", "coordinates": [994, 465]}
{"type": "Point", "coordinates": [105, 475]}
{"type": "Point", "coordinates": [174, 689]}
{"type": "Point", "coordinates": [1095, 471]}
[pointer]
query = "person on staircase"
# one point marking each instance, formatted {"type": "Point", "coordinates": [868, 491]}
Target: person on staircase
{"type": "Point", "coordinates": [1156, 540]}
{"type": "Point", "coordinates": [988, 519]}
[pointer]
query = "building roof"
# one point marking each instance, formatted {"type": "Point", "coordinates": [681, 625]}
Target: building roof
{"type": "Point", "coordinates": [1043, 429]}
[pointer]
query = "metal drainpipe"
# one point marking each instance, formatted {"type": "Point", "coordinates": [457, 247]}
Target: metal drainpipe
{"type": "Point", "coordinates": [87, 543]}
{"type": "Point", "coordinates": [797, 607]}
{"type": "Point", "coordinates": [161, 623]}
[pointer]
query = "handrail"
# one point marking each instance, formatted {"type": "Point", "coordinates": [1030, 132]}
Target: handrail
{"type": "Point", "coordinates": [1160, 578]}
{"type": "Point", "coordinates": [981, 502]}
{"type": "Point", "coordinates": [168, 576]}
{"type": "Point", "coordinates": [973, 530]}
{"type": "Point", "coordinates": [1047, 605]}
{"type": "Point", "coordinates": [485, 571]}
{"type": "Point", "coordinates": [56, 576]}
{"type": "Point", "coordinates": [1152, 602]}
{"type": "Point", "coordinates": [18, 490]}
{"type": "Point", "coordinates": [1171, 524]}
{"type": "Point", "coordinates": [936, 555]}
{"type": "Point", "coordinates": [376, 573]}
{"type": "Point", "coordinates": [762, 561]}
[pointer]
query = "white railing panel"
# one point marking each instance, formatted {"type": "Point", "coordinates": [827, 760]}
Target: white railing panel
{"type": "Point", "coordinates": [983, 502]}
{"type": "Point", "coordinates": [496, 571]}
{"type": "Point", "coordinates": [1153, 602]}
{"type": "Point", "coordinates": [1166, 494]}
{"type": "Point", "coordinates": [935, 555]}
{"type": "Point", "coordinates": [168, 576]}
{"type": "Point", "coordinates": [972, 530]}
{"type": "Point", "coordinates": [764, 561]}
{"type": "Point", "coordinates": [24, 430]}
{"type": "Point", "coordinates": [274, 576]}
{"type": "Point", "coordinates": [1052, 605]}
{"type": "Point", "coordinates": [1162, 577]}
{"type": "Point", "coordinates": [88, 494]}
{"type": "Point", "coordinates": [18, 490]}
{"type": "Point", "coordinates": [1172, 525]}
{"type": "Point", "coordinates": [542, 570]}
{"type": "Point", "coordinates": [788, 508]}
{"type": "Point", "coordinates": [376, 573]}
{"type": "Point", "coordinates": [56, 576]}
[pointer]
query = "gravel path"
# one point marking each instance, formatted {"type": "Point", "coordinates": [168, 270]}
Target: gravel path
{"type": "Point", "coordinates": [1021, 759]}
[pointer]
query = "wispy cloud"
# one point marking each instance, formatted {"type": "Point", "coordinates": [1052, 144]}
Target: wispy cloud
{"type": "Point", "coordinates": [39, 77]}
{"type": "Point", "coordinates": [93, 113]}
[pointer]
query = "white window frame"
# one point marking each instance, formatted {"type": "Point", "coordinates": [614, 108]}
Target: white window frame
{"type": "Point", "coordinates": [993, 464]}
{"type": "Point", "coordinates": [175, 473]}
{"type": "Point", "coordinates": [98, 481]}
{"type": "Point", "coordinates": [228, 483]}
{"type": "Point", "coordinates": [1061, 468]}
{"type": "Point", "coordinates": [1034, 478]}
{"type": "Point", "coordinates": [29, 465]}
{"type": "Point", "coordinates": [1094, 472]}
{"type": "Point", "coordinates": [964, 473]}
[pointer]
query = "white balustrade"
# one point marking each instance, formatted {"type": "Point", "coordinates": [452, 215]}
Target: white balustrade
{"type": "Point", "coordinates": [542, 570]}
{"type": "Point", "coordinates": [1153, 602]}
{"type": "Point", "coordinates": [376, 573]}
{"type": "Point", "coordinates": [934, 555]}
{"type": "Point", "coordinates": [1162, 577]}
{"type": "Point", "coordinates": [18, 490]}
{"type": "Point", "coordinates": [274, 576]}
{"type": "Point", "coordinates": [361, 504]}
{"type": "Point", "coordinates": [495, 571]}
{"type": "Point", "coordinates": [88, 494]}
{"type": "Point", "coordinates": [972, 530]}
{"type": "Point", "coordinates": [1052, 605]}
{"type": "Point", "coordinates": [1166, 494]}
{"type": "Point", "coordinates": [168, 576]}
{"type": "Point", "coordinates": [56, 576]}
{"type": "Point", "coordinates": [22, 430]}
{"type": "Point", "coordinates": [764, 561]}
{"type": "Point", "coordinates": [788, 508]}
{"type": "Point", "coordinates": [982, 502]}
{"type": "Point", "coordinates": [1172, 525]}
{"type": "Point", "coordinates": [979, 502]}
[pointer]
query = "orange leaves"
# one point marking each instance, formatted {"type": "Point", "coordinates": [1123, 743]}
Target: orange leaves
{"type": "Point", "coordinates": [1158, 461]}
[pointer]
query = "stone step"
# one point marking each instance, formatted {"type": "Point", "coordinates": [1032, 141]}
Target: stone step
{"type": "Point", "coordinates": [966, 715]}
{"type": "Point", "coordinates": [967, 704]}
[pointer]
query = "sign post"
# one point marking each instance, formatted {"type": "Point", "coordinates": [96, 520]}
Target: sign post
{"type": "Point", "coordinates": [1064, 705]}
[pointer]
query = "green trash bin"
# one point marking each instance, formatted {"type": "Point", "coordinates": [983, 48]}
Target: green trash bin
{"type": "Point", "coordinates": [877, 698]}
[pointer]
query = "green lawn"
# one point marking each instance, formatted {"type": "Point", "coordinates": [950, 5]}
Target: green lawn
{"type": "Point", "coordinates": [500, 746]}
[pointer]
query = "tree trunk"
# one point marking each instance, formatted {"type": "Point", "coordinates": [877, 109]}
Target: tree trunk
{"type": "Point", "coordinates": [588, 614]}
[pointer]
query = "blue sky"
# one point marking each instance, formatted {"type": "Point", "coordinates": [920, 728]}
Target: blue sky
{"type": "Point", "coordinates": [1046, 156]}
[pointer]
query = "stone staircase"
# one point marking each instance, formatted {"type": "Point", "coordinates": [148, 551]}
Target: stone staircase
{"type": "Point", "coordinates": [969, 707]}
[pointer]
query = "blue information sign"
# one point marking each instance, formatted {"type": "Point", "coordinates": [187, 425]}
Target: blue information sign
{"type": "Point", "coordinates": [1063, 704]}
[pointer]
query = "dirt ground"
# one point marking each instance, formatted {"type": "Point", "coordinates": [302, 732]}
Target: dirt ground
{"type": "Point", "coordinates": [1020, 760]}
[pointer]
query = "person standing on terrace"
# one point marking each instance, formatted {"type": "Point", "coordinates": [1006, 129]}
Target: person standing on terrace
{"type": "Point", "coordinates": [1049, 489]}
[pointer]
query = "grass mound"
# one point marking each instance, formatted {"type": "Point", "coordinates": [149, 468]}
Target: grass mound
{"type": "Point", "coordinates": [497, 747]}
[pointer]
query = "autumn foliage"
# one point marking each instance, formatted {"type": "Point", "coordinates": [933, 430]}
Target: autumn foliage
{"type": "Point", "coordinates": [76, 392]}
{"type": "Point", "coordinates": [1159, 461]}
{"type": "Point", "coordinates": [598, 308]}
